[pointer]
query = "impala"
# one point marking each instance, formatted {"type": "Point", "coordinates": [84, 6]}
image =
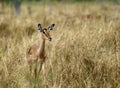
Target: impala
{"type": "Point", "coordinates": [36, 55]}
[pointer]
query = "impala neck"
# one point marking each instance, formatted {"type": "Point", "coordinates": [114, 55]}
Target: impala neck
{"type": "Point", "coordinates": [41, 49]}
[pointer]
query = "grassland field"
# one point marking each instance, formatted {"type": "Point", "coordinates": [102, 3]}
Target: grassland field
{"type": "Point", "coordinates": [84, 52]}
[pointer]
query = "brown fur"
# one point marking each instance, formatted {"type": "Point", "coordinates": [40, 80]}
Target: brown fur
{"type": "Point", "coordinates": [36, 55]}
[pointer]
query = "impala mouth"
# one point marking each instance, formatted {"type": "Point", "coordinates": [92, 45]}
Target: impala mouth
{"type": "Point", "coordinates": [50, 39]}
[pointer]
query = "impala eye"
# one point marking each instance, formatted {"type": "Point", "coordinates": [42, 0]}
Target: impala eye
{"type": "Point", "coordinates": [43, 32]}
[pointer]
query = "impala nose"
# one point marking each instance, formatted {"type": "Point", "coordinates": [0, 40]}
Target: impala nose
{"type": "Point", "coordinates": [50, 39]}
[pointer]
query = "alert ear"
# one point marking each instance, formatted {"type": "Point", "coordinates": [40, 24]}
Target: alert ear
{"type": "Point", "coordinates": [51, 27]}
{"type": "Point", "coordinates": [40, 27]}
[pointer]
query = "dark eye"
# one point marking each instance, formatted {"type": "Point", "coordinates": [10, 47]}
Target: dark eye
{"type": "Point", "coordinates": [43, 32]}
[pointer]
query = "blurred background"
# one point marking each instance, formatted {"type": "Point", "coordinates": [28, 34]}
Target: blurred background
{"type": "Point", "coordinates": [85, 47]}
{"type": "Point", "coordinates": [16, 4]}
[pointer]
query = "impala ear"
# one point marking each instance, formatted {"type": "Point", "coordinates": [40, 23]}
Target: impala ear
{"type": "Point", "coordinates": [51, 27]}
{"type": "Point", "coordinates": [40, 27]}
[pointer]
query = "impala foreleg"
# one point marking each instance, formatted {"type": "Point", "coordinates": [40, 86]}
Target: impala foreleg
{"type": "Point", "coordinates": [44, 71]}
{"type": "Point", "coordinates": [32, 69]}
{"type": "Point", "coordinates": [39, 67]}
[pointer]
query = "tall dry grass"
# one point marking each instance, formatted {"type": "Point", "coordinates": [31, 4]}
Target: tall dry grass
{"type": "Point", "coordinates": [83, 53]}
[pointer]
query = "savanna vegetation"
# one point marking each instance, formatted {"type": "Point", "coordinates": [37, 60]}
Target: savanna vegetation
{"type": "Point", "coordinates": [84, 52]}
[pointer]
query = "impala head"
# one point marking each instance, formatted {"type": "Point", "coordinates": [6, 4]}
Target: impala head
{"type": "Point", "coordinates": [46, 31]}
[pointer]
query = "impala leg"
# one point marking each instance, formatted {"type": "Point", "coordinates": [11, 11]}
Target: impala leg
{"type": "Point", "coordinates": [32, 74]}
{"type": "Point", "coordinates": [44, 74]}
{"type": "Point", "coordinates": [38, 69]}
{"type": "Point", "coordinates": [30, 69]}
{"type": "Point", "coordinates": [44, 70]}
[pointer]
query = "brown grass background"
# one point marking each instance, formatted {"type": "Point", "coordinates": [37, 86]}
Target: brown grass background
{"type": "Point", "coordinates": [82, 54]}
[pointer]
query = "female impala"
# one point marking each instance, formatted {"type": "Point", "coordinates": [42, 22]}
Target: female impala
{"type": "Point", "coordinates": [36, 53]}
